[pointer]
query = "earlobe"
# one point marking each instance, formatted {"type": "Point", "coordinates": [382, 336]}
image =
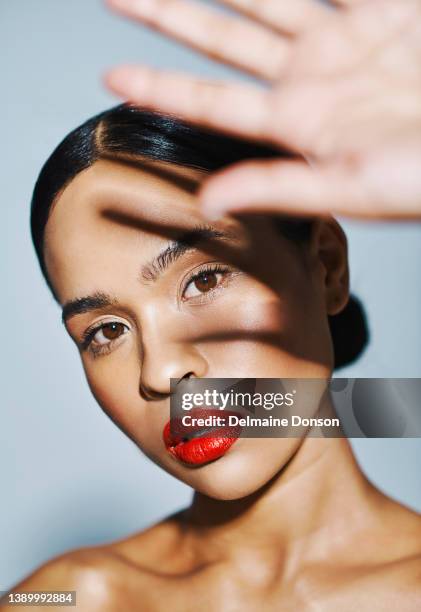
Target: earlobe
{"type": "Point", "coordinates": [330, 246]}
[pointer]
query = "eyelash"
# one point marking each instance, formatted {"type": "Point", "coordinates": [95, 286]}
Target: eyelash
{"type": "Point", "coordinates": [89, 334]}
{"type": "Point", "coordinates": [207, 269]}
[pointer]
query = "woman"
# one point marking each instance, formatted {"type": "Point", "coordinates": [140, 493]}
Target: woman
{"type": "Point", "coordinates": [150, 292]}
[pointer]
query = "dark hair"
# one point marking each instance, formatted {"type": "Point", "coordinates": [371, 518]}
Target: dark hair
{"type": "Point", "coordinates": [125, 132]}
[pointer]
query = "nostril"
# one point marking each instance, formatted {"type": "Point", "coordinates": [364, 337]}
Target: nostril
{"type": "Point", "coordinates": [150, 394]}
{"type": "Point", "coordinates": [185, 377]}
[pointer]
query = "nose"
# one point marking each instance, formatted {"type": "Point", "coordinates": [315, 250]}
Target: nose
{"type": "Point", "coordinates": [163, 361]}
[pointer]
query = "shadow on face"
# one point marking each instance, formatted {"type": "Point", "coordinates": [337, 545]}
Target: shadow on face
{"type": "Point", "coordinates": [151, 291]}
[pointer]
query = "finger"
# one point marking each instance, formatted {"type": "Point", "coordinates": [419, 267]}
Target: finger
{"type": "Point", "coordinates": [347, 3]}
{"type": "Point", "coordinates": [291, 187]}
{"type": "Point", "coordinates": [233, 108]}
{"type": "Point", "coordinates": [286, 16]}
{"type": "Point", "coordinates": [239, 42]}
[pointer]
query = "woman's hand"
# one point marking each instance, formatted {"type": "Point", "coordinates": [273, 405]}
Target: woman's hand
{"type": "Point", "coordinates": [341, 85]}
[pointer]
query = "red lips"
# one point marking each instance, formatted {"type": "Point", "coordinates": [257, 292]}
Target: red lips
{"type": "Point", "coordinates": [200, 449]}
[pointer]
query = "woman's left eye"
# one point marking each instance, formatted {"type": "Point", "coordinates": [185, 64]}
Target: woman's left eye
{"type": "Point", "coordinates": [204, 282]}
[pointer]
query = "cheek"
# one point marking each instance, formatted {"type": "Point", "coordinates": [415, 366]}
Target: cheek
{"type": "Point", "coordinates": [115, 387]}
{"type": "Point", "coordinates": [114, 382]}
{"type": "Point", "coordinates": [251, 335]}
{"type": "Point", "coordinates": [258, 333]}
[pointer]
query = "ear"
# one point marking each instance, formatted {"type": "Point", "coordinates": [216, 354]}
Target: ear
{"type": "Point", "coordinates": [329, 248]}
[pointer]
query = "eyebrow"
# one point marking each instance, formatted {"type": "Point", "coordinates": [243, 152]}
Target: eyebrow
{"type": "Point", "coordinates": [86, 304]}
{"type": "Point", "coordinates": [152, 270]}
{"type": "Point", "coordinates": [188, 241]}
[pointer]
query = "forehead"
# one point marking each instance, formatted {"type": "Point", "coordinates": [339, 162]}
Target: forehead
{"type": "Point", "coordinates": [112, 212]}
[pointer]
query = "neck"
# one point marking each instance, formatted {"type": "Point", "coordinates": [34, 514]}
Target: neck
{"type": "Point", "coordinates": [313, 507]}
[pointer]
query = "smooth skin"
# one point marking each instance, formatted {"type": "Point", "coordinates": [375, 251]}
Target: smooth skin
{"type": "Point", "coordinates": [275, 524]}
{"type": "Point", "coordinates": [340, 86]}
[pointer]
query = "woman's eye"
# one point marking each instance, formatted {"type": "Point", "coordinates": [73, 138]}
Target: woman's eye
{"type": "Point", "coordinates": [203, 283]}
{"type": "Point", "coordinates": [108, 332]}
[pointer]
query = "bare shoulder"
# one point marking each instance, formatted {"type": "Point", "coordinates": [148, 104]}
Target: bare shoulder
{"type": "Point", "coordinates": [91, 572]}
{"type": "Point", "coordinates": [103, 576]}
{"type": "Point", "coordinates": [395, 585]}
{"type": "Point", "coordinates": [403, 544]}
{"type": "Point", "coordinates": [397, 575]}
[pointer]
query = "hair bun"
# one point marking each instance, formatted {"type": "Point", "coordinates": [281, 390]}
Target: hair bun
{"type": "Point", "coordinates": [350, 333]}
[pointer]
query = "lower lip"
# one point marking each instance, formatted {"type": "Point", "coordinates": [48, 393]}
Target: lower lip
{"type": "Point", "coordinates": [201, 450]}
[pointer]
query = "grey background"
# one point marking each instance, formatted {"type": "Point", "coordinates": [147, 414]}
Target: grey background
{"type": "Point", "coordinates": [68, 476]}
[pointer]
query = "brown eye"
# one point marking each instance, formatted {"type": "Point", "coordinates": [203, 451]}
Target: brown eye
{"type": "Point", "coordinates": [206, 282]}
{"type": "Point", "coordinates": [108, 332]}
{"type": "Point", "coordinates": [112, 331]}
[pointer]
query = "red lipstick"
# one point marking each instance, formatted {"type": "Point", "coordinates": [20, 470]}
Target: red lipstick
{"type": "Point", "coordinates": [195, 444]}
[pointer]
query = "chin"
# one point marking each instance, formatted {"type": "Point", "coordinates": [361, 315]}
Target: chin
{"type": "Point", "coordinates": [243, 471]}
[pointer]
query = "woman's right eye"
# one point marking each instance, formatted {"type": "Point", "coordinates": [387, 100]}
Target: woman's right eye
{"type": "Point", "coordinates": [108, 332]}
{"type": "Point", "coordinates": [100, 339]}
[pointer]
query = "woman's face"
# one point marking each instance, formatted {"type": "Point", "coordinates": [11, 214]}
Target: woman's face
{"type": "Point", "coordinates": [232, 299]}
